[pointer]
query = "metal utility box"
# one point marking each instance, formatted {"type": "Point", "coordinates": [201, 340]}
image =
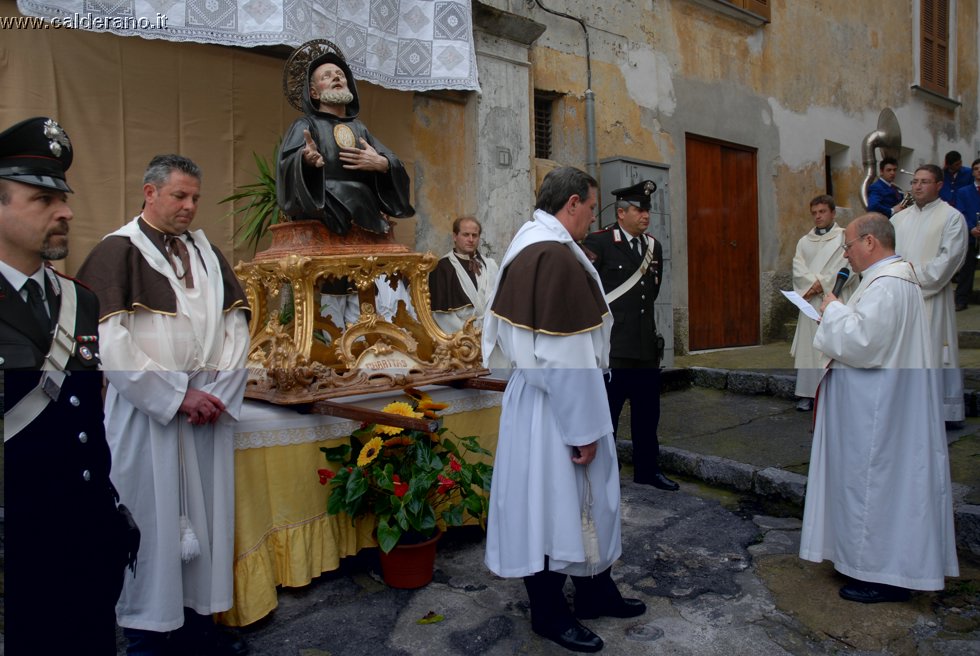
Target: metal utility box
{"type": "Point", "coordinates": [616, 172]}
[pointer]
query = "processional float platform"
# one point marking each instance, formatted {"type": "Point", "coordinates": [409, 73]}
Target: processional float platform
{"type": "Point", "coordinates": [297, 356]}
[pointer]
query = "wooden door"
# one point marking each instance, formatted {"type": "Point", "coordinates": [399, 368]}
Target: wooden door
{"type": "Point", "coordinates": [722, 244]}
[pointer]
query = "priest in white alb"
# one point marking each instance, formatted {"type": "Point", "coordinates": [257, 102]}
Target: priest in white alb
{"type": "Point", "coordinates": [878, 497]}
{"type": "Point", "coordinates": [932, 236]}
{"type": "Point", "coordinates": [818, 259]}
{"type": "Point", "coordinates": [554, 501]}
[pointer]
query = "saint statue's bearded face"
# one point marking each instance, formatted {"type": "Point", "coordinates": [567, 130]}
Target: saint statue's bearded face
{"type": "Point", "coordinates": [328, 84]}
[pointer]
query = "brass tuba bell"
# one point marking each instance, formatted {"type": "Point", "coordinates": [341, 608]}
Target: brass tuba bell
{"type": "Point", "coordinates": [888, 137]}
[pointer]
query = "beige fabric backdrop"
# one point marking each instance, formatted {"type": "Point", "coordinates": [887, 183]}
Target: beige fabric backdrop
{"type": "Point", "coordinates": [124, 99]}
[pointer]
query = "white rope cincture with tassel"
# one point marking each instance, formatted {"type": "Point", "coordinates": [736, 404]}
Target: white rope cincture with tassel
{"type": "Point", "coordinates": [590, 537]}
{"type": "Point", "coordinates": [190, 546]}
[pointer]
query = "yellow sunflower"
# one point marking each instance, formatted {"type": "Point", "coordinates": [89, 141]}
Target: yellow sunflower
{"type": "Point", "coordinates": [396, 408]}
{"type": "Point", "coordinates": [369, 452]}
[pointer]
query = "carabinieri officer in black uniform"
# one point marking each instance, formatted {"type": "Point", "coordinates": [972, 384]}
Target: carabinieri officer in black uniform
{"type": "Point", "coordinates": [619, 253]}
{"type": "Point", "coordinates": [65, 555]}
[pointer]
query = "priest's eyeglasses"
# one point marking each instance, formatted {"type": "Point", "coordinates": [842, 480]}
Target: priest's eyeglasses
{"type": "Point", "coordinates": [848, 244]}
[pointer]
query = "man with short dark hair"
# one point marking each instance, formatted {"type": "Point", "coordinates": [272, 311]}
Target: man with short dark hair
{"type": "Point", "coordinates": [630, 265]}
{"type": "Point", "coordinates": [883, 196]}
{"type": "Point", "coordinates": [955, 176]}
{"type": "Point", "coordinates": [819, 257]}
{"type": "Point", "coordinates": [64, 547]}
{"type": "Point", "coordinates": [878, 496]}
{"type": "Point", "coordinates": [931, 235]}
{"type": "Point", "coordinates": [175, 338]}
{"type": "Point", "coordinates": [461, 283]}
{"type": "Point", "coordinates": [554, 505]}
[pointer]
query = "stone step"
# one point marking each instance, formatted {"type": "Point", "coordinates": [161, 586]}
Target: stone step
{"type": "Point", "coordinates": [780, 383]}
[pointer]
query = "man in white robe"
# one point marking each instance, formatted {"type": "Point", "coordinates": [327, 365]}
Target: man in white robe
{"type": "Point", "coordinates": [174, 342]}
{"type": "Point", "coordinates": [932, 236]}
{"type": "Point", "coordinates": [819, 257]}
{"type": "Point", "coordinates": [461, 283]}
{"type": "Point", "coordinates": [878, 501]}
{"type": "Point", "coordinates": [554, 503]}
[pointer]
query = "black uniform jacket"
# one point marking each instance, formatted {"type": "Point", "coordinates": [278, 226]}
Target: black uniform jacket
{"type": "Point", "coordinates": [634, 332]}
{"type": "Point", "coordinates": [56, 470]}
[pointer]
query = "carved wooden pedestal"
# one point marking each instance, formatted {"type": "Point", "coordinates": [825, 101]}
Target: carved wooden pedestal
{"type": "Point", "coordinates": [297, 356]}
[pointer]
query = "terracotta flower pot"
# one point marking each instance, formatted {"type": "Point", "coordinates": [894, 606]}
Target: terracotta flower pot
{"type": "Point", "coordinates": [410, 566]}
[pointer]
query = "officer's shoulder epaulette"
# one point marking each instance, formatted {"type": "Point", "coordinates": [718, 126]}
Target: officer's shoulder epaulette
{"type": "Point", "coordinates": [74, 280]}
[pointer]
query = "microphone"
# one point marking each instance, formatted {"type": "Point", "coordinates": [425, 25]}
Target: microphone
{"type": "Point", "coordinates": [842, 277]}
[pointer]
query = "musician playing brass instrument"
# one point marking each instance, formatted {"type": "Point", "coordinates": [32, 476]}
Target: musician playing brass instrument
{"type": "Point", "coordinates": [884, 196]}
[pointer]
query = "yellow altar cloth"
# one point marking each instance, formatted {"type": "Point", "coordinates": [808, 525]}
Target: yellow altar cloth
{"type": "Point", "coordinates": [283, 535]}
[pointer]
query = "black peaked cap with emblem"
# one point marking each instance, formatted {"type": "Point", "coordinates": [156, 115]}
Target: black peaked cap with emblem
{"type": "Point", "coordinates": [37, 152]}
{"type": "Point", "coordinates": [638, 194]}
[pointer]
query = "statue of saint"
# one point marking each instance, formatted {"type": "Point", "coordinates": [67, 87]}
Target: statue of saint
{"type": "Point", "coordinates": [330, 167]}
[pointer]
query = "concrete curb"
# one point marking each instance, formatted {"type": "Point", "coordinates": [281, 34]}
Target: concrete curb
{"type": "Point", "coordinates": [780, 385]}
{"type": "Point", "coordinates": [777, 484]}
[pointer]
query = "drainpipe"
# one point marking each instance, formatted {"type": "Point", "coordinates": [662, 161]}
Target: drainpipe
{"type": "Point", "coordinates": [590, 154]}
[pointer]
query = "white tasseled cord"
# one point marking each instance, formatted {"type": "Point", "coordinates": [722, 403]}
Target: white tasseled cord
{"type": "Point", "coordinates": [190, 546]}
{"type": "Point", "coordinates": [590, 537]}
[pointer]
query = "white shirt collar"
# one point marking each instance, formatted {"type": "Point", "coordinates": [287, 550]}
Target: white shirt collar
{"type": "Point", "coordinates": [17, 279]}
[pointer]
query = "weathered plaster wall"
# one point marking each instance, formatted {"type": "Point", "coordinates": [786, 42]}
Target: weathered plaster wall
{"type": "Point", "coordinates": [445, 179]}
{"type": "Point", "coordinates": [819, 73]}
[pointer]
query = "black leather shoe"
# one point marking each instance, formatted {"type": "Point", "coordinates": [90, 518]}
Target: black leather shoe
{"type": "Point", "coordinates": [873, 593]}
{"type": "Point", "coordinates": [574, 638]}
{"type": "Point", "coordinates": [960, 307]}
{"type": "Point", "coordinates": [661, 482]}
{"type": "Point", "coordinates": [626, 608]}
{"type": "Point", "coordinates": [804, 404]}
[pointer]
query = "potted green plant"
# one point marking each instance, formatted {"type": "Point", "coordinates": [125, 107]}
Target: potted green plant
{"type": "Point", "coordinates": [262, 209]}
{"type": "Point", "coordinates": [413, 482]}
{"type": "Point", "coordinates": [258, 214]}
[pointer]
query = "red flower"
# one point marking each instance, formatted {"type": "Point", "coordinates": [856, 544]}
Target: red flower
{"type": "Point", "coordinates": [445, 484]}
{"type": "Point", "coordinates": [454, 464]}
{"type": "Point", "coordinates": [400, 488]}
{"type": "Point", "coordinates": [325, 475]}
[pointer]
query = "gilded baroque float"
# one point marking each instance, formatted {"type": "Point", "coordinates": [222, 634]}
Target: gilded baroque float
{"type": "Point", "coordinates": [298, 356]}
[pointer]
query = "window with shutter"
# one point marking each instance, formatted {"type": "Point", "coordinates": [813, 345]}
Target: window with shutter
{"type": "Point", "coordinates": [761, 7]}
{"type": "Point", "coordinates": [543, 102]}
{"type": "Point", "coordinates": [934, 46]}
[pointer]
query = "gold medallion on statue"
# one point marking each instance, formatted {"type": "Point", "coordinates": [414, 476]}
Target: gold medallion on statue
{"type": "Point", "coordinates": [344, 136]}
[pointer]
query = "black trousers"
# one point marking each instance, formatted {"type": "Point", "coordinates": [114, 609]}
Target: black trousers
{"type": "Point", "coordinates": [638, 381]}
{"type": "Point", "coordinates": [964, 277]}
{"type": "Point", "coordinates": [546, 597]}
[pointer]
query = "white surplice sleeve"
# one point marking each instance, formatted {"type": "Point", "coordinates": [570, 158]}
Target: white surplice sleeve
{"type": "Point", "coordinates": [937, 272]}
{"type": "Point", "coordinates": [138, 378]}
{"type": "Point", "coordinates": [862, 336]}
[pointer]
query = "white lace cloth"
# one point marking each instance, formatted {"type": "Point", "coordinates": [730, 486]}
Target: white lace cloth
{"type": "Point", "coordinates": [264, 424]}
{"type": "Point", "coordinates": [408, 45]}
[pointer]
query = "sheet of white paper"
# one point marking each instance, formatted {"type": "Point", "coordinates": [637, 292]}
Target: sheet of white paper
{"type": "Point", "coordinates": [804, 306]}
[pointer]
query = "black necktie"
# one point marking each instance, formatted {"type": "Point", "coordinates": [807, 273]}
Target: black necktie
{"type": "Point", "coordinates": [636, 246]}
{"type": "Point", "coordinates": [36, 300]}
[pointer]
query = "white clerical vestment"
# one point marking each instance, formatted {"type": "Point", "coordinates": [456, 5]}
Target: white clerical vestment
{"type": "Point", "coordinates": [934, 240]}
{"type": "Point", "coordinates": [555, 400]}
{"type": "Point", "coordinates": [163, 466]}
{"type": "Point", "coordinates": [878, 501]}
{"type": "Point", "coordinates": [818, 257]}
